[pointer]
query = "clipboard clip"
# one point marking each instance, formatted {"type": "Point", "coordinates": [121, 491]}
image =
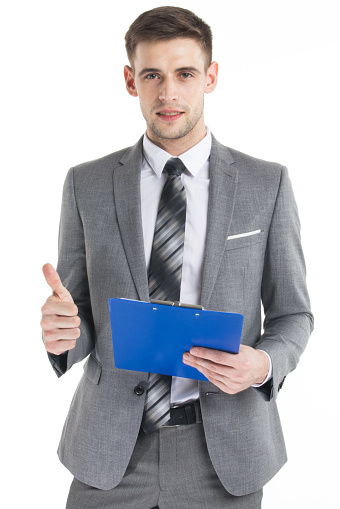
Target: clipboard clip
{"type": "Point", "coordinates": [176, 303]}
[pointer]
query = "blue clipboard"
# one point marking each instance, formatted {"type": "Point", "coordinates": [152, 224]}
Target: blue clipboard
{"type": "Point", "coordinates": [152, 337]}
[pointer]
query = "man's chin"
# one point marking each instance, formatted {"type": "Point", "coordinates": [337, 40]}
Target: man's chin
{"type": "Point", "coordinates": [171, 132]}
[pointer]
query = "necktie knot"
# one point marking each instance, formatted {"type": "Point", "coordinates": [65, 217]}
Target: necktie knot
{"type": "Point", "coordinates": [174, 166]}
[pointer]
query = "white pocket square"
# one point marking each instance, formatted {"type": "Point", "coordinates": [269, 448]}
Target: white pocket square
{"type": "Point", "coordinates": [239, 235]}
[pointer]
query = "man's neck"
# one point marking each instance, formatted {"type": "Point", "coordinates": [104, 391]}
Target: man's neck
{"type": "Point", "coordinates": [178, 146]}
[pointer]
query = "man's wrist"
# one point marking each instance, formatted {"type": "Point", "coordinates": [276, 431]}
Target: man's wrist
{"type": "Point", "coordinates": [269, 371]}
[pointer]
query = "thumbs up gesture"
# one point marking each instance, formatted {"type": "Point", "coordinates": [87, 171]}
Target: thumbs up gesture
{"type": "Point", "coordinates": [60, 321]}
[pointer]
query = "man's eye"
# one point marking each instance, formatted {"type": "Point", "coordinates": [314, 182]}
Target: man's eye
{"type": "Point", "coordinates": [151, 76]}
{"type": "Point", "coordinates": [186, 75]}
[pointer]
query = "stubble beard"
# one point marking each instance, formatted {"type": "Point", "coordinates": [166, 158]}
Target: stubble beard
{"type": "Point", "coordinates": [166, 133]}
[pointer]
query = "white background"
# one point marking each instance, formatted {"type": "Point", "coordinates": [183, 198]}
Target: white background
{"type": "Point", "coordinates": [63, 101]}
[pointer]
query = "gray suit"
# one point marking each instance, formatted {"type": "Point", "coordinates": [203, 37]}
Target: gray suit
{"type": "Point", "coordinates": [101, 255]}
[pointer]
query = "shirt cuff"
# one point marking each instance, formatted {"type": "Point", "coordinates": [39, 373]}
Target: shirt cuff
{"type": "Point", "coordinates": [270, 372]}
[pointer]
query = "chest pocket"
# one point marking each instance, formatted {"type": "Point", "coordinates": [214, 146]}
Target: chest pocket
{"type": "Point", "coordinates": [238, 240]}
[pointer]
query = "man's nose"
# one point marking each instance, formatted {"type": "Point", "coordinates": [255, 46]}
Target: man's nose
{"type": "Point", "coordinates": [168, 91]}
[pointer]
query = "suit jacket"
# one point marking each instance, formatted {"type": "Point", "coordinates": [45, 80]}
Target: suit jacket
{"type": "Point", "coordinates": [101, 255]}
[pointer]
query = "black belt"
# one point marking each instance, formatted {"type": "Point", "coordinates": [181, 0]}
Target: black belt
{"type": "Point", "coordinates": [189, 413]}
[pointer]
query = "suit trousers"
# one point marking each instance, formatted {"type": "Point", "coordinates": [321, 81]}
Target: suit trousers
{"type": "Point", "coordinates": [169, 469]}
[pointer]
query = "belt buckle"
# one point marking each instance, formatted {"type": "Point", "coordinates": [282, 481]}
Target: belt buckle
{"type": "Point", "coordinates": [172, 425]}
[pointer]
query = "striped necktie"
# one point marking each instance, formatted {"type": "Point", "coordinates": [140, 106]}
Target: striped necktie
{"type": "Point", "coordinates": [165, 274]}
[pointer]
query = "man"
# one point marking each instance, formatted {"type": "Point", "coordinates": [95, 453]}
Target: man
{"type": "Point", "coordinates": [123, 221]}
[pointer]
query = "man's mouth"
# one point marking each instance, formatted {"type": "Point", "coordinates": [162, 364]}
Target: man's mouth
{"type": "Point", "coordinates": [169, 115]}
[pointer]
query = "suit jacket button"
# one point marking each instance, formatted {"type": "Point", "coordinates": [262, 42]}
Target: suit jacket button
{"type": "Point", "coordinates": [138, 390]}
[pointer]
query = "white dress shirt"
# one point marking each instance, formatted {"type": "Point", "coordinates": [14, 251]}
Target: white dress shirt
{"type": "Point", "coordinates": [196, 183]}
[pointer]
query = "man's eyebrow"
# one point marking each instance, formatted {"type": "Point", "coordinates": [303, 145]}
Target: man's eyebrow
{"type": "Point", "coordinates": [188, 69]}
{"type": "Point", "coordinates": [147, 70]}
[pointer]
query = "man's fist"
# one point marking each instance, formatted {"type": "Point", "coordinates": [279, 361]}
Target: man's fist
{"type": "Point", "coordinates": [59, 322]}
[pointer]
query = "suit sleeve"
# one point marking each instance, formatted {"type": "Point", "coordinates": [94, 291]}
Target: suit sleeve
{"type": "Point", "coordinates": [288, 319]}
{"type": "Point", "coordinates": [73, 274]}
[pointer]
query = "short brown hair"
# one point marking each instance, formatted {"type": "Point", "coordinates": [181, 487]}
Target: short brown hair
{"type": "Point", "coordinates": [166, 23]}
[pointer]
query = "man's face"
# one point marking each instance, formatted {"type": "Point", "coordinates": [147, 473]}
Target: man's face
{"type": "Point", "coordinates": [170, 80]}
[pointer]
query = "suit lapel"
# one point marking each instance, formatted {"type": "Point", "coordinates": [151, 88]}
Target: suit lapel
{"type": "Point", "coordinates": [222, 192]}
{"type": "Point", "coordinates": [126, 185]}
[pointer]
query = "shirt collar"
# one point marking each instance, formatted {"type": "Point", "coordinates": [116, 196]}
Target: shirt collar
{"type": "Point", "coordinates": [193, 158]}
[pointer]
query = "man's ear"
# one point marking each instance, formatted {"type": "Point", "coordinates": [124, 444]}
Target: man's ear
{"type": "Point", "coordinates": [130, 81]}
{"type": "Point", "coordinates": [211, 77]}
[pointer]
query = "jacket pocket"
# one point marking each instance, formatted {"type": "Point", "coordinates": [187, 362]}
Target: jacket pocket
{"type": "Point", "coordinates": [245, 239]}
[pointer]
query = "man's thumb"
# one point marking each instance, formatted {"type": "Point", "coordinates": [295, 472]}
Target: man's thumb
{"type": "Point", "coordinates": [53, 280]}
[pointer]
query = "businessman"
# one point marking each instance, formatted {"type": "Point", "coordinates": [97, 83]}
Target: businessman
{"type": "Point", "coordinates": [178, 216]}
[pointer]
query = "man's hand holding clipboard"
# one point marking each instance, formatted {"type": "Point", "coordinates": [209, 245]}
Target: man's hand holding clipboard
{"type": "Point", "coordinates": [229, 372]}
